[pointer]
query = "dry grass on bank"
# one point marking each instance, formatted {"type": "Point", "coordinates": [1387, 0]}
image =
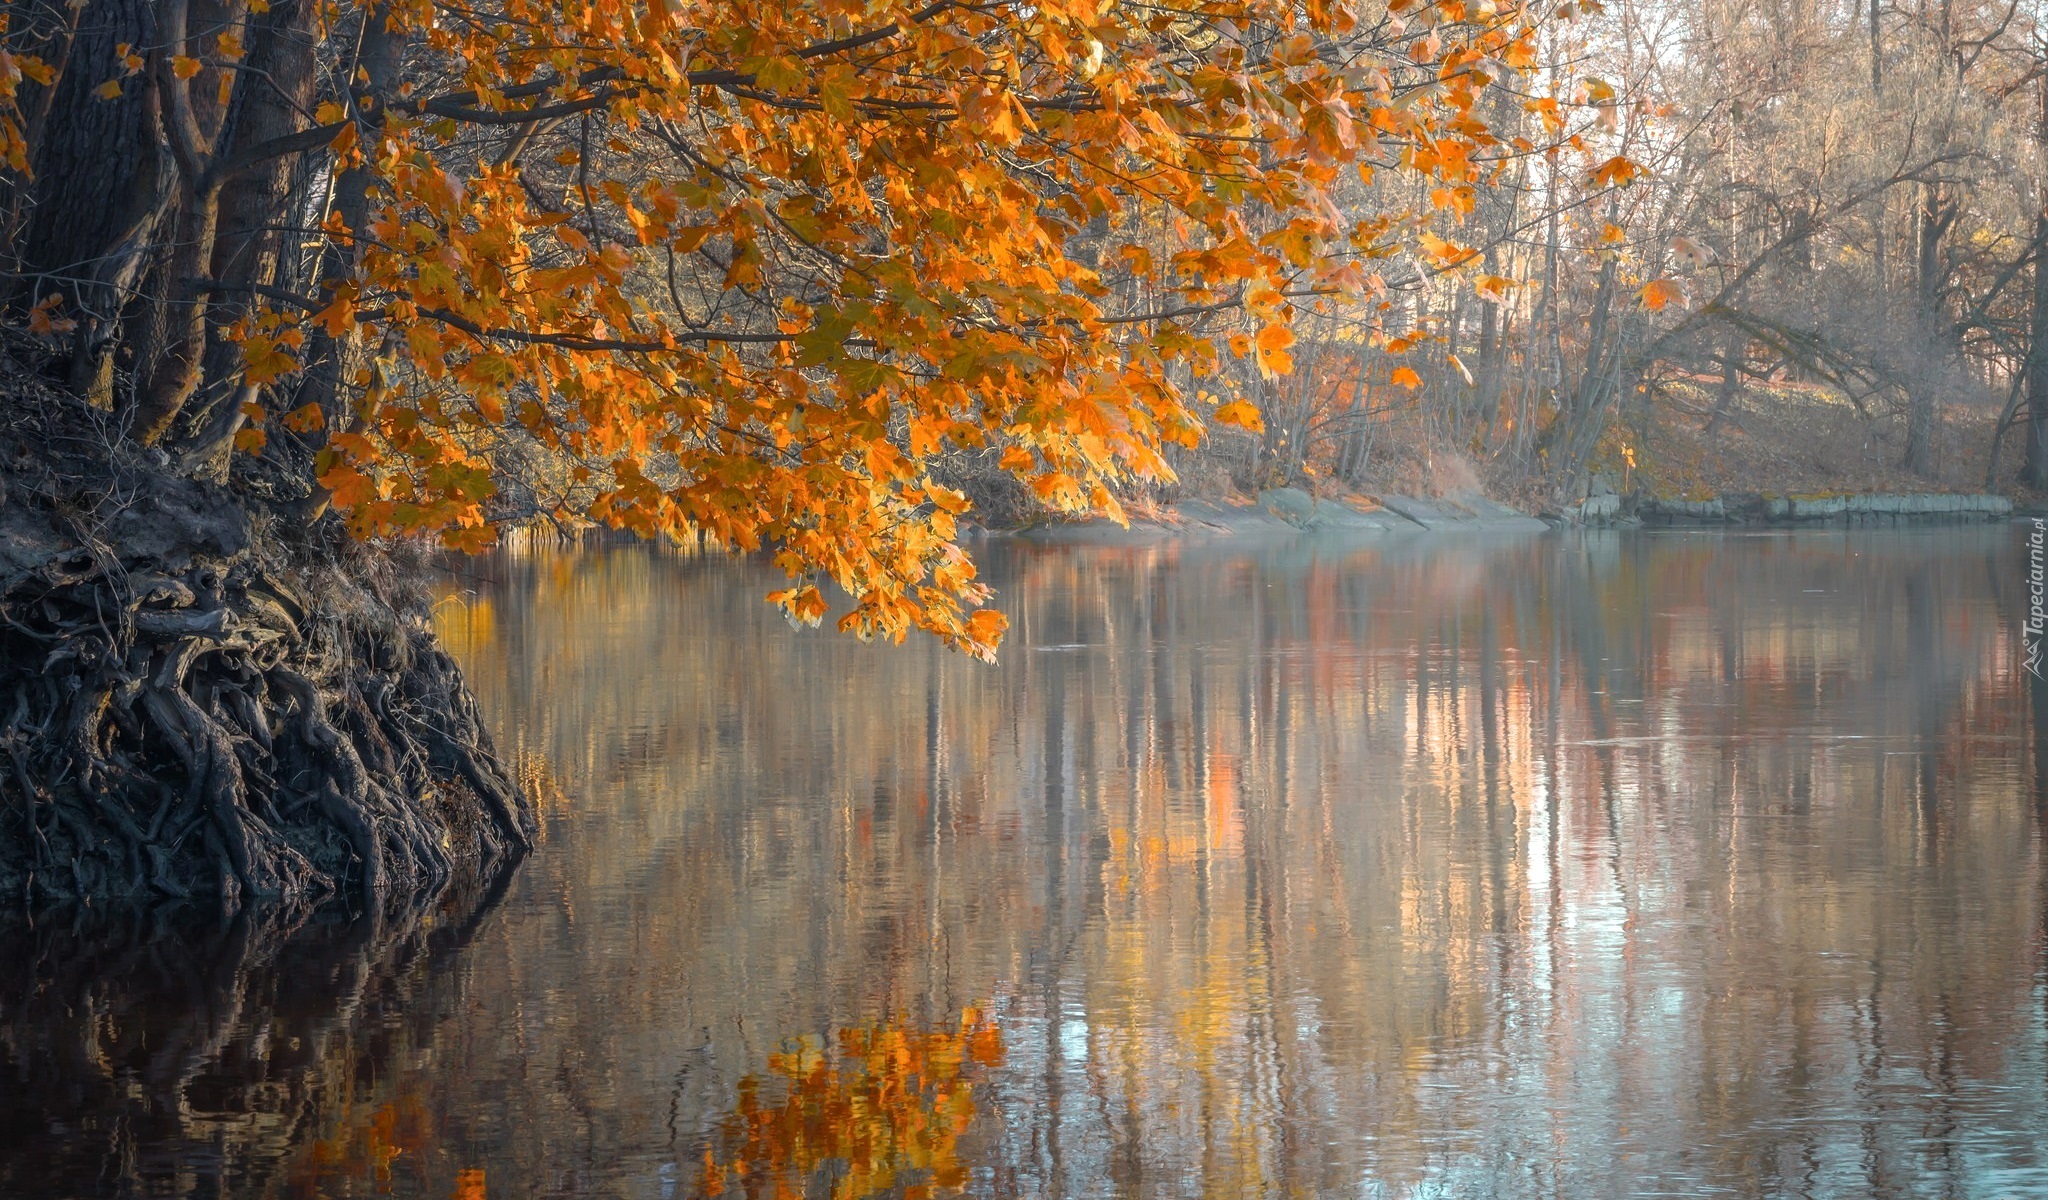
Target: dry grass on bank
{"type": "Point", "coordinates": [1784, 438]}
{"type": "Point", "coordinates": [1794, 438]}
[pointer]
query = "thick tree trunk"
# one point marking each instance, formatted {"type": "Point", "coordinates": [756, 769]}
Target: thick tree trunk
{"type": "Point", "coordinates": [204, 686]}
{"type": "Point", "coordinates": [1568, 443]}
{"type": "Point", "coordinates": [90, 226]}
{"type": "Point", "coordinates": [1492, 374]}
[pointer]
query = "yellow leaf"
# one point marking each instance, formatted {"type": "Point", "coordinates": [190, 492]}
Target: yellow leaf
{"type": "Point", "coordinates": [1493, 287]}
{"type": "Point", "coordinates": [1448, 253]}
{"type": "Point", "coordinates": [230, 45]}
{"type": "Point", "coordinates": [1241, 414]}
{"type": "Point", "coordinates": [42, 324]}
{"type": "Point", "coordinates": [348, 486]}
{"type": "Point", "coordinates": [836, 98]}
{"type": "Point", "coordinates": [784, 74]}
{"type": "Point", "coordinates": [110, 90]}
{"type": "Point", "coordinates": [183, 67]}
{"type": "Point", "coordinates": [1406, 377]}
{"type": "Point", "coordinates": [335, 318]}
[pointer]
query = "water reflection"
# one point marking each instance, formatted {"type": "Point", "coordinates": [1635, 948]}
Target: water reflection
{"type": "Point", "coordinates": [875, 1110]}
{"type": "Point", "coordinates": [1616, 865]}
{"type": "Point", "coordinates": [1601, 866]}
{"type": "Point", "coordinates": [175, 1052]}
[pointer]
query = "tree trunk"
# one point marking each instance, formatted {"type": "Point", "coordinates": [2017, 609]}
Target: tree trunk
{"type": "Point", "coordinates": [1731, 382]}
{"type": "Point", "coordinates": [205, 687]}
{"type": "Point", "coordinates": [1492, 368]}
{"type": "Point", "coordinates": [2037, 343]}
{"type": "Point", "coordinates": [1569, 440]}
{"type": "Point", "coordinates": [1936, 214]}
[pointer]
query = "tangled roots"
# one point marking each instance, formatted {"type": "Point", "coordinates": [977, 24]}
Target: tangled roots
{"type": "Point", "coordinates": [197, 697]}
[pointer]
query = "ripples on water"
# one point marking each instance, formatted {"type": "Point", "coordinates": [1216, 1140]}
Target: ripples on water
{"type": "Point", "coordinates": [1651, 865]}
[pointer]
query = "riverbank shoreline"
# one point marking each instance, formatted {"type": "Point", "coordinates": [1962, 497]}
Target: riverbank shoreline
{"type": "Point", "coordinates": [1289, 512]}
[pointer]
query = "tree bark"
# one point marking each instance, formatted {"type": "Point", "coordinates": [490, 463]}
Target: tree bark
{"type": "Point", "coordinates": [205, 686]}
{"type": "Point", "coordinates": [1937, 212]}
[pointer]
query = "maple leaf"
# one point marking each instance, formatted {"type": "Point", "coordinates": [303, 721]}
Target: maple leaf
{"type": "Point", "coordinates": [1492, 287]}
{"type": "Point", "coordinates": [1241, 414]}
{"type": "Point", "coordinates": [1616, 172]}
{"type": "Point", "coordinates": [1272, 356]}
{"type": "Point", "coordinates": [347, 486]}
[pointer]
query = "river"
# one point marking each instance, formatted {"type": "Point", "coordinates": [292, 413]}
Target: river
{"type": "Point", "coordinates": [1575, 866]}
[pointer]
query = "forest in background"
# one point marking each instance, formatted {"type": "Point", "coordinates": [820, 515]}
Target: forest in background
{"type": "Point", "coordinates": [1823, 277]}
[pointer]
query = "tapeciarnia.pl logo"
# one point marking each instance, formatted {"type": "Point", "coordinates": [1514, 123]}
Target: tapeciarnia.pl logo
{"type": "Point", "coordinates": [2037, 596]}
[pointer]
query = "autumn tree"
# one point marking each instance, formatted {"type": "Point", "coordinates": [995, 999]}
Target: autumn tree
{"type": "Point", "coordinates": [289, 278]}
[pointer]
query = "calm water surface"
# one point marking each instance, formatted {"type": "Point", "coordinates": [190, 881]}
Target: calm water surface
{"type": "Point", "coordinates": [1575, 867]}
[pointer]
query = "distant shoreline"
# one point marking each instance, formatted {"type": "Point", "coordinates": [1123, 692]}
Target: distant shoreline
{"type": "Point", "coordinates": [1291, 511]}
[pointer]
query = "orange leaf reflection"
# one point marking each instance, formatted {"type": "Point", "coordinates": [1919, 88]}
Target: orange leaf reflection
{"type": "Point", "coordinates": [365, 1146]}
{"type": "Point", "coordinates": [877, 1108]}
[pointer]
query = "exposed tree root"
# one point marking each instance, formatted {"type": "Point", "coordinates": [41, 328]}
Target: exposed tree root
{"type": "Point", "coordinates": [197, 697]}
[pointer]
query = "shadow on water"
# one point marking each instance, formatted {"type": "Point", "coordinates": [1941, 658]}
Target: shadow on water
{"type": "Point", "coordinates": [177, 1052]}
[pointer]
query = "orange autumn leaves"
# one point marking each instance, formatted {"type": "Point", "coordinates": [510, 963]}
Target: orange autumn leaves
{"type": "Point", "coordinates": [741, 268]}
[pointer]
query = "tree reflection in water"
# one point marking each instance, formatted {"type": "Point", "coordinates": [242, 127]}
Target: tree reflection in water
{"type": "Point", "coordinates": [176, 1052]}
{"type": "Point", "coordinates": [1549, 868]}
